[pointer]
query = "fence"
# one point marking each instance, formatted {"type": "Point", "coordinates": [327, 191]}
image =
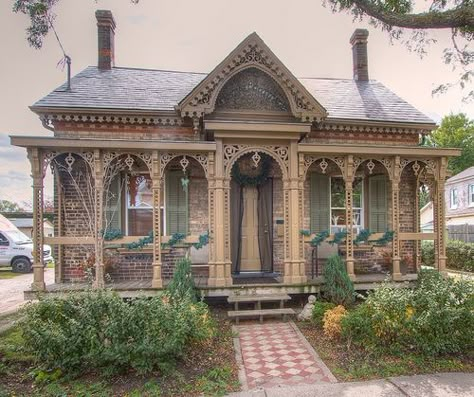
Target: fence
{"type": "Point", "coordinates": [461, 232]}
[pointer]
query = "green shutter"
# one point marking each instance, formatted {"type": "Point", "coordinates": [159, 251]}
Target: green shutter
{"type": "Point", "coordinates": [378, 203]}
{"type": "Point", "coordinates": [319, 201]}
{"type": "Point", "coordinates": [176, 204]}
{"type": "Point", "coordinates": [113, 210]}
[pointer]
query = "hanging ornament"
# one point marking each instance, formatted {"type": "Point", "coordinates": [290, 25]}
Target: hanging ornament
{"type": "Point", "coordinates": [256, 159]}
{"type": "Point", "coordinates": [416, 168]}
{"type": "Point", "coordinates": [69, 161]}
{"type": "Point", "coordinates": [184, 164]}
{"type": "Point", "coordinates": [370, 166]}
{"type": "Point", "coordinates": [323, 165]}
{"type": "Point", "coordinates": [129, 162]}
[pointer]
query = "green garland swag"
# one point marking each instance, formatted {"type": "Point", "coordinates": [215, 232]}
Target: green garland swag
{"type": "Point", "coordinates": [319, 238]}
{"type": "Point", "coordinates": [338, 237]}
{"type": "Point", "coordinates": [174, 240]}
{"type": "Point", "coordinates": [362, 237]}
{"type": "Point", "coordinates": [112, 234]}
{"type": "Point", "coordinates": [385, 239]}
{"type": "Point", "coordinates": [246, 180]}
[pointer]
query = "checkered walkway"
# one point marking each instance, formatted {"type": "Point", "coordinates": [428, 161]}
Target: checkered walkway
{"type": "Point", "coordinates": [276, 354]}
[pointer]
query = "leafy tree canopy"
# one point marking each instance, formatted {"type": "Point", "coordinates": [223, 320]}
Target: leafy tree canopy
{"type": "Point", "coordinates": [456, 130]}
{"type": "Point", "coordinates": [9, 206]}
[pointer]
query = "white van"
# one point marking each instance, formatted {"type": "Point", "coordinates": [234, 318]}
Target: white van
{"type": "Point", "coordinates": [16, 249]}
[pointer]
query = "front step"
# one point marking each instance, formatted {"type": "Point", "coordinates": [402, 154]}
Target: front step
{"type": "Point", "coordinates": [260, 313]}
{"type": "Point", "coordinates": [257, 299]}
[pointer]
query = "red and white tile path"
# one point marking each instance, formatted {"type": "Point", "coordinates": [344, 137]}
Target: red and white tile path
{"type": "Point", "coordinates": [274, 354]}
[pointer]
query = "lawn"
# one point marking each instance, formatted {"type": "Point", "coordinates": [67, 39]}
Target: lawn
{"type": "Point", "coordinates": [355, 364]}
{"type": "Point", "coordinates": [207, 368]}
{"type": "Point", "coordinates": [6, 273]}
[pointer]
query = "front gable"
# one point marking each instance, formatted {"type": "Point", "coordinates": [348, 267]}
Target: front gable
{"type": "Point", "coordinates": [272, 85]}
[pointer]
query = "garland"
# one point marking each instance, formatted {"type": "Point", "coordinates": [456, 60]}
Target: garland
{"type": "Point", "coordinates": [363, 236]}
{"type": "Point", "coordinates": [338, 237]}
{"type": "Point", "coordinates": [385, 239]}
{"type": "Point", "coordinates": [174, 240]}
{"type": "Point", "coordinates": [246, 180]}
{"type": "Point", "coordinates": [112, 234]}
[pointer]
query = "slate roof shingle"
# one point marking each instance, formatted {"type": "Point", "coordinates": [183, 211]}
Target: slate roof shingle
{"type": "Point", "coordinates": [159, 90]}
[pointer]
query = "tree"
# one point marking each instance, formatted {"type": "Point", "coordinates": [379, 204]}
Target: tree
{"type": "Point", "coordinates": [397, 17]}
{"type": "Point", "coordinates": [456, 130]}
{"type": "Point", "coordinates": [9, 206]}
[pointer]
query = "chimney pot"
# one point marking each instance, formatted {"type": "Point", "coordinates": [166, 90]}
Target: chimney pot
{"type": "Point", "coordinates": [359, 54]}
{"type": "Point", "coordinates": [106, 39]}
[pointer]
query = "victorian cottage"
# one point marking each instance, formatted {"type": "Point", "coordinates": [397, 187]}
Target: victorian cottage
{"type": "Point", "coordinates": [240, 169]}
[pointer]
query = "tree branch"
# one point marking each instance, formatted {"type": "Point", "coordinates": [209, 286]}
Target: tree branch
{"type": "Point", "coordinates": [459, 17]}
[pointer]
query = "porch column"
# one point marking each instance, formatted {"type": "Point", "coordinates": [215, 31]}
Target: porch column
{"type": "Point", "coordinates": [416, 215]}
{"type": "Point", "coordinates": [396, 274]}
{"type": "Point", "coordinates": [99, 281]}
{"type": "Point", "coordinates": [156, 281]}
{"type": "Point", "coordinates": [36, 159]}
{"type": "Point", "coordinates": [294, 262]}
{"type": "Point", "coordinates": [349, 180]}
{"type": "Point", "coordinates": [58, 226]}
{"type": "Point", "coordinates": [440, 215]}
{"type": "Point", "coordinates": [219, 269]}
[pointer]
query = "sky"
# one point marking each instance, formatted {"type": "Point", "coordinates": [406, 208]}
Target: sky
{"type": "Point", "coordinates": [195, 36]}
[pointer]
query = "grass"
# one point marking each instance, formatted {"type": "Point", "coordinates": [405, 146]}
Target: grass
{"type": "Point", "coordinates": [6, 273]}
{"type": "Point", "coordinates": [354, 364]}
{"type": "Point", "coordinates": [207, 368]}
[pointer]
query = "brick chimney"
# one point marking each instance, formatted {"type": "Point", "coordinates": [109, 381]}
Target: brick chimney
{"type": "Point", "coordinates": [359, 54]}
{"type": "Point", "coordinates": [106, 38]}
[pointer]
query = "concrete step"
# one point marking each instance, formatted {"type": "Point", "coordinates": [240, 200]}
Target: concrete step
{"type": "Point", "coordinates": [237, 314]}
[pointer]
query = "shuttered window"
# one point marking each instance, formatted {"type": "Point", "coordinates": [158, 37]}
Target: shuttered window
{"type": "Point", "coordinates": [378, 203]}
{"type": "Point", "coordinates": [113, 210]}
{"type": "Point", "coordinates": [320, 202]}
{"type": "Point", "coordinates": [176, 204]}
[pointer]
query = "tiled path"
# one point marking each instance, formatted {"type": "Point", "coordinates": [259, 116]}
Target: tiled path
{"type": "Point", "coordinates": [273, 354]}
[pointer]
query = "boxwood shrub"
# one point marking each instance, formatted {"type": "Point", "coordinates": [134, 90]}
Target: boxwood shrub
{"type": "Point", "coordinates": [436, 317]}
{"type": "Point", "coordinates": [460, 255]}
{"type": "Point", "coordinates": [99, 330]}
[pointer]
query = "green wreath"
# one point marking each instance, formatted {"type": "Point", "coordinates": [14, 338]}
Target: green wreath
{"type": "Point", "coordinates": [246, 180]}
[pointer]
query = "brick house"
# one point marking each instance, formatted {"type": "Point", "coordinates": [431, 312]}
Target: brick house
{"type": "Point", "coordinates": [249, 155]}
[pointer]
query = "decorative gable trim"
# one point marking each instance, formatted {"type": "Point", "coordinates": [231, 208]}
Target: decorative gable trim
{"type": "Point", "coordinates": [252, 52]}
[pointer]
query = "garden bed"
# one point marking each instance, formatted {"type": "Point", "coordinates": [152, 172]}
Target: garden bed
{"type": "Point", "coordinates": [208, 367]}
{"type": "Point", "coordinates": [355, 364]}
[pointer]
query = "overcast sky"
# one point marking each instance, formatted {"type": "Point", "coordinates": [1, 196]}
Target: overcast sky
{"type": "Point", "coordinates": [195, 36]}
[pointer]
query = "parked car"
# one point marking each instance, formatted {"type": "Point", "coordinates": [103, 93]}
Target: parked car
{"type": "Point", "coordinates": [16, 249]}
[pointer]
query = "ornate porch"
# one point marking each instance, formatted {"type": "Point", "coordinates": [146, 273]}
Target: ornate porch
{"type": "Point", "coordinates": [406, 168]}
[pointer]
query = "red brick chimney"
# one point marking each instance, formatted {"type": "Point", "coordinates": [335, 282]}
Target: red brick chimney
{"type": "Point", "coordinates": [106, 37]}
{"type": "Point", "coordinates": [359, 54]}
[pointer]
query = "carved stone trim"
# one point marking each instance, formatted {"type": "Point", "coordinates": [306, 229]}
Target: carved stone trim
{"type": "Point", "coordinates": [201, 158]}
{"type": "Point", "coordinates": [50, 118]}
{"type": "Point", "coordinates": [373, 129]}
{"type": "Point", "coordinates": [252, 52]}
{"type": "Point", "coordinates": [233, 152]}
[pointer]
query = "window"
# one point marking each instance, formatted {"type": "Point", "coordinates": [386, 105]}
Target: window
{"type": "Point", "coordinates": [454, 198]}
{"type": "Point", "coordinates": [176, 203]}
{"type": "Point", "coordinates": [470, 195]}
{"type": "Point", "coordinates": [139, 206]}
{"type": "Point", "coordinates": [328, 198]}
{"type": "Point", "coordinates": [338, 204]}
{"type": "Point", "coordinates": [3, 240]}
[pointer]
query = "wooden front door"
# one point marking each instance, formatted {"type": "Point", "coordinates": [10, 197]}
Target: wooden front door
{"type": "Point", "coordinates": [250, 259]}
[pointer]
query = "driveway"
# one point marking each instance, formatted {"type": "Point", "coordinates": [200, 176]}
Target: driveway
{"type": "Point", "coordinates": [11, 290]}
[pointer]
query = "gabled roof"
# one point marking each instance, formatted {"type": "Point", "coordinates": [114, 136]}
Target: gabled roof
{"type": "Point", "coordinates": [466, 174]}
{"type": "Point", "coordinates": [252, 52]}
{"type": "Point", "coordinates": [161, 90]}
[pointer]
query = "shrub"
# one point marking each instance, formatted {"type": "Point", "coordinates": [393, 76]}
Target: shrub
{"type": "Point", "coordinates": [182, 285]}
{"type": "Point", "coordinates": [318, 311]}
{"type": "Point", "coordinates": [338, 287]}
{"type": "Point", "coordinates": [460, 255]}
{"type": "Point", "coordinates": [332, 321]}
{"type": "Point", "coordinates": [98, 330]}
{"type": "Point", "coordinates": [356, 327]}
{"type": "Point", "coordinates": [434, 318]}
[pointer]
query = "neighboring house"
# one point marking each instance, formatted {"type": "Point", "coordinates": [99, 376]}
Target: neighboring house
{"type": "Point", "coordinates": [248, 153]}
{"type": "Point", "coordinates": [26, 226]}
{"type": "Point", "coordinates": [459, 203]}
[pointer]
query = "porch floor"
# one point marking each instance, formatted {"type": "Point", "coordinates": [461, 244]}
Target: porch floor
{"type": "Point", "coordinates": [143, 287]}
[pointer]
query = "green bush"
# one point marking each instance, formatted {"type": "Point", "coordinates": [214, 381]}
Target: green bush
{"type": "Point", "coordinates": [436, 317]}
{"type": "Point", "coordinates": [99, 330]}
{"type": "Point", "coordinates": [318, 311]}
{"type": "Point", "coordinates": [460, 255]}
{"type": "Point", "coordinates": [338, 287]}
{"type": "Point", "coordinates": [182, 285]}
